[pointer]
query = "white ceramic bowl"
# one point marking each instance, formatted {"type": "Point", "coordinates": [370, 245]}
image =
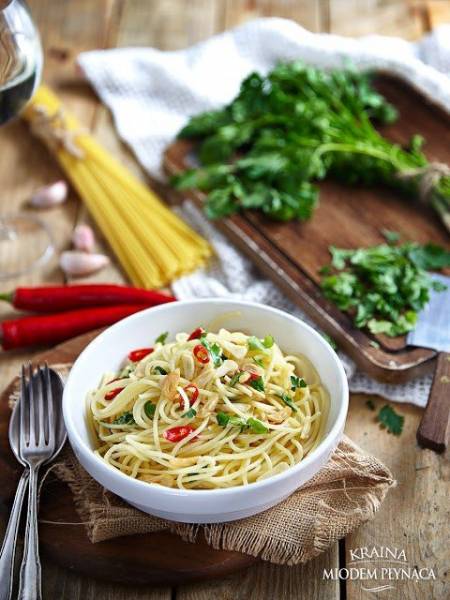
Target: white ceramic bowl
{"type": "Point", "coordinates": [106, 353]}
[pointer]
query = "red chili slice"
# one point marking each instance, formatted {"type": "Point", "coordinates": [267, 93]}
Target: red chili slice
{"type": "Point", "coordinates": [113, 393]}
{"type": "Point", "coordinates": [201, 354]}
{"type": "Point", "coordinates": [192, 393]}
{"type": "Point", "coordinates": [176, 434]}
{"type": "Point", "coordinates": [253, 376]}
{"type": "Point", "coordinates": [137, 355]}
{"type": "Point", "coordinates": [197, 333]}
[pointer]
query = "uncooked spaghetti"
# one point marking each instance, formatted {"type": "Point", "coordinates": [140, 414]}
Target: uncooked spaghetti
{"type": "Point", "coordinates": [208, 410]}
{"type": "Point", "coordinates": [152, 244]}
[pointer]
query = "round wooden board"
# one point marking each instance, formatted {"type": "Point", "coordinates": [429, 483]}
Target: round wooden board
{"type": "Point", "coordinates": [157, 558]}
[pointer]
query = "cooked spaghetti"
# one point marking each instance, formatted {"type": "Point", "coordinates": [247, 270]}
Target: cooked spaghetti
{"type": "Point", "coordinates": [208, 410]}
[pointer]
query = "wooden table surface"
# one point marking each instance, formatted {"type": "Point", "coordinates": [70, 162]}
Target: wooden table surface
{"type": "Point", "coordinates": [415, 516]}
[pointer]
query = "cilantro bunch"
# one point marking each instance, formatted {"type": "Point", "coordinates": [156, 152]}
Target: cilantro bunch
{"type": "Point", "coordinates": [294, 126]}
{"type": "Point", "coordinates": [385, 286]}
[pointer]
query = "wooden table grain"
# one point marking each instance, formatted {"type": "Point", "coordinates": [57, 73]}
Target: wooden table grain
{"type": "Point", "coordinates": [415, 516]}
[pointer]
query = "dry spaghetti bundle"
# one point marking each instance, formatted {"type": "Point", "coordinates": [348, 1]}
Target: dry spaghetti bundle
{"type": "Point", "coordinates": [153, 245]}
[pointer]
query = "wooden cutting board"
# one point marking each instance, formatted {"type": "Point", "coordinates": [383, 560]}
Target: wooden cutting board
{"type": "Point", "coordinates": [348, 217]}
{"type": "Point", "coordinates": [156, 558]}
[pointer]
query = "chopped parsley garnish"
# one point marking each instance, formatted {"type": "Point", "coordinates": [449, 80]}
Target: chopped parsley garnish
{"type": "Point", "coordinates": [297, 382]}
{"type": "Point", "coordinates": [162, 338]}
{"type": "Point", "coordinates": [125, 419]}
{"type": "Point", "coordinates": [328, 338]}
{"type": "Point", "coordinates": [190, 414]}
{"type": "Point", "coordinates": [268, 341]}
{"type": "Point", "coordinates": [384, 287]}
{"type": "Point", "coordinates": [288, 400]}
{"type": "Point", "coordinates": [125, 372]}
{"type": "Point", "coordinates": [214, 350]}
{"type": "Point", "coordinates": [149, 409]}
{"type": "Point", "coordinates": [255, 425]}
{"type": "Point", "coordinates": [255, 343]}
{"type": "Point", "coordinates": [225, 419]}
{"type": "Point", "coordinates": [257, 384]}
{"type": "Point", "coordinates": [160, 370]}
{"type": "Point", "coordinates": [391, 420]}
{"type": "Point", "coordinates": [235, 378]}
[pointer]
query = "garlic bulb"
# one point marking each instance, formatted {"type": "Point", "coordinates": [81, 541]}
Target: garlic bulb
{"type": "Point", "coordinates": [73, 262]}
{"type": "Point", "coordinates": [83, 238]}
{"type": "Point", "coordinates": [50, 195]}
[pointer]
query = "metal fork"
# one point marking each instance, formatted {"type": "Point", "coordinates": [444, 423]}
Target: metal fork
{"type": "Point", "coordinates": [36, 445]}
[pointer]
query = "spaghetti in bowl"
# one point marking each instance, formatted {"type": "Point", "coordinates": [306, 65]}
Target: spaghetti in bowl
{"type": "Point", "coordinates": [206, 441]}
{"type": "Point", "coordinates": [208, 410]}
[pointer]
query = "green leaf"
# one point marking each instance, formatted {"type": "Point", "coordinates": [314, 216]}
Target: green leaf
{"type": "Point", "coordinates": [390, 419]}
{"type": "Point", "coordinates": [268, 341]}
{"type": "Point", "coordinates": [225, 419]}
{"type": "Point", "coordinates": [288, 400]}
{"type": "Point", "coordinates": [257, 384]}
{"type": "Point", "coordinates": [149, 409]}
{"type": "Point", "coordinates": [190, 414]}
{"type": "Point", "coordinates": [285, 130]}
{"type": "Point", "coordinates": [160, 370]}
{"type": "Point", "coordinates": [391, 237]}
{"type": "Point", "coordinates": [297, 382]}
{"type": "Point", "coordinates": [258, 361]}
{"type": "Point", "coordinates": [215, 351]}
{"type": "Point", "coordinates": [255, 343]}
{"type": "Point", "coordinates": [256, 426]}
{"type": "Point", "coordinates": [383, 287]}
{"type": "Point", "coordinates": [234, 379]}
{"type": "Point", "coordinates": [430, 257]}
{"type": "Point", "coordinates": [125, 419]}
{"type": "Point", "coordinates": [162, 338]}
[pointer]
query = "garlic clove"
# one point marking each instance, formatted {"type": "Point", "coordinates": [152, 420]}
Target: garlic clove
{"type": "Point", "coordinates": [83, 238]}
{"type": "Point", "coordinates": [50, 195]}
{"type": "Point", "coordinates": [74, 262]}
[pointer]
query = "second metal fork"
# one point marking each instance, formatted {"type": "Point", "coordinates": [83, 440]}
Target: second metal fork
{"type": "Point", "coordinates": [36, 446]}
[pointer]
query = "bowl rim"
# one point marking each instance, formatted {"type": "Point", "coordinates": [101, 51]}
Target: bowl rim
{"type": "Point", "coordinates": [328, 442]}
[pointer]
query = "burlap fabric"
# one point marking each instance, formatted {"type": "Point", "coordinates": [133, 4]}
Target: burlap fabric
{"type": "Point", "coordinates": [347, 491]}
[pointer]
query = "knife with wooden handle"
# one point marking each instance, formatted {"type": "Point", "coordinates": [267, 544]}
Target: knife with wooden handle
{"type": "Point", "coordinates": [433, 331]}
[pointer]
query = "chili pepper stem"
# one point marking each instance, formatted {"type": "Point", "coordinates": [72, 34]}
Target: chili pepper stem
{"type": "Point", "coordinates": [7, 297]}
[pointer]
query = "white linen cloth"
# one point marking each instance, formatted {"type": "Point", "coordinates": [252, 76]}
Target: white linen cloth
{"type": "Point", "coordinates": [152, 93]}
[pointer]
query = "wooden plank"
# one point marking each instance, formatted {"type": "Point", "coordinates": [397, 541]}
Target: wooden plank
{"type": "Point", "coordinates": [167, 24]}
{"type": "Point", "coordinates": [415, 514]}
{"type": "Point", "coordinates": [305, 12]}
{"type": "Point", "coordinates": [270, 582]}
{"type": "Point", "coordinates": [61, 584]}
{"type": "Point", "coordinates": [364, 17]}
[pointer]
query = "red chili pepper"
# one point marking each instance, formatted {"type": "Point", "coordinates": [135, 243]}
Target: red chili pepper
{"type": "Point", "coordinates": [201, 354]}
{"type": "Point", "coordinates": [113, 393]}
{"type": "Point", "coordinates": [253, 376]}
{"type": "Point", "coordinates": [196, 334]}
{"type": "Point", "coordinates": [193, 396]}
{"type": "Point", "coordinates": [137, 355]}
{"type": "Point", "coordinates": [58, 298]}
{"type": "Point", "coordinates": [176, 434]}
{"type": "Point", "coordinates": [50, 329]}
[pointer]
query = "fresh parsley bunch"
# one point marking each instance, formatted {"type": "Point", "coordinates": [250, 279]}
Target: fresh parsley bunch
{"type": "Point", "coordinates": [295, 126]}
{"type": "Point", "coordinates": [385, 286]}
